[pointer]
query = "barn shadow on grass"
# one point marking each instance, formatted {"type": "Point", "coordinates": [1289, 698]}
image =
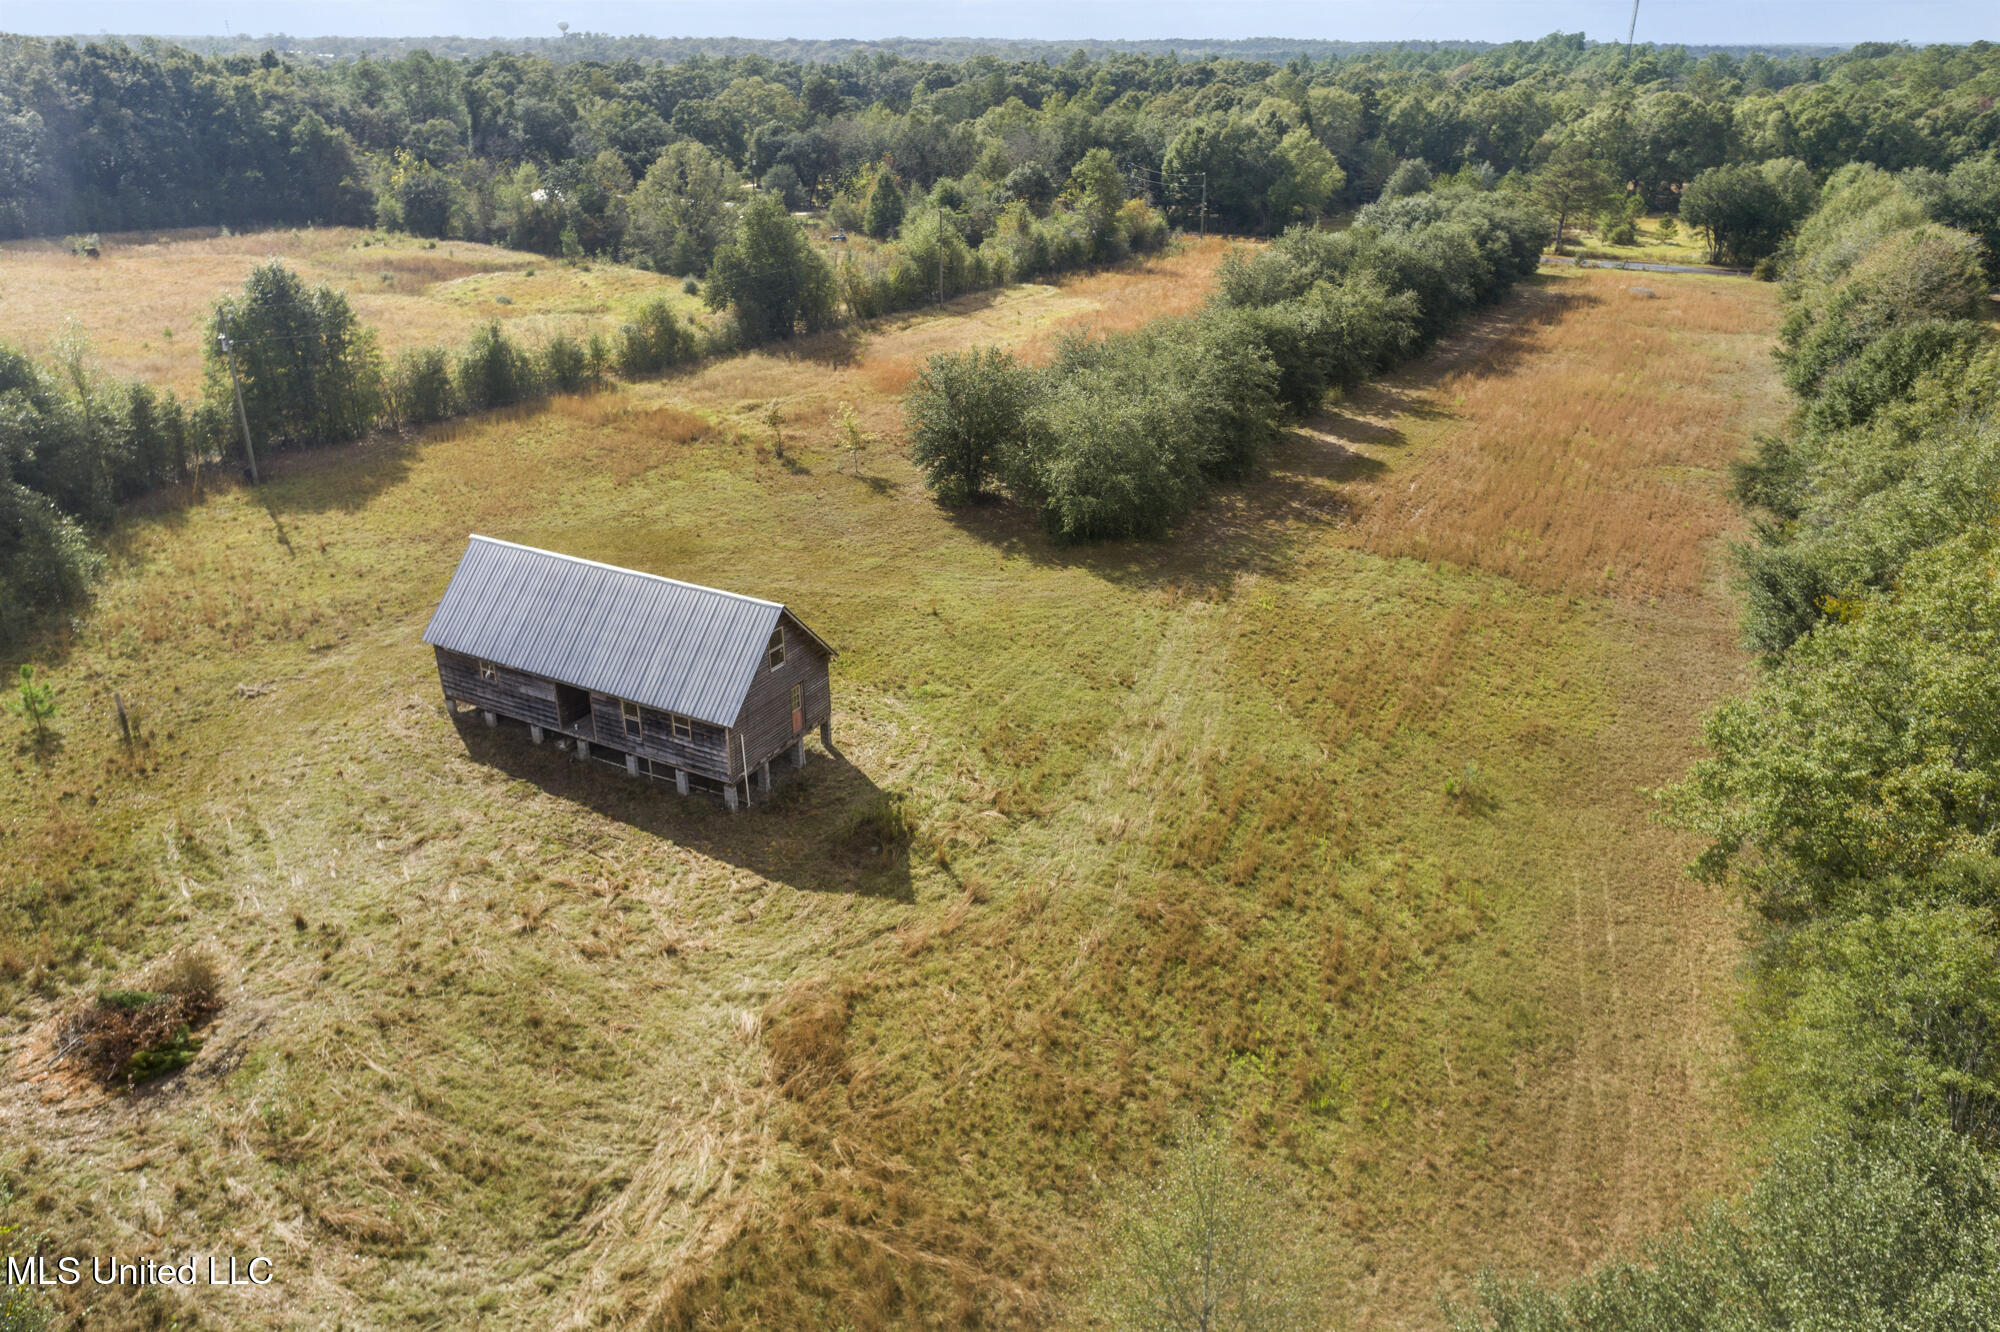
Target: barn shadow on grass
{"type": "Point", "coordinates": [826, 827]}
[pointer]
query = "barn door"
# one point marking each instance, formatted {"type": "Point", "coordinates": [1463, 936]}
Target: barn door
{"type": "Point", "coordinates": [572, 704]}
{"type": "Point", "coordinates": [798, 710]}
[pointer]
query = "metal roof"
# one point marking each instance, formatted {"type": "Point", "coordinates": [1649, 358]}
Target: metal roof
{"type": "Point", "coordinates": [674, 646]}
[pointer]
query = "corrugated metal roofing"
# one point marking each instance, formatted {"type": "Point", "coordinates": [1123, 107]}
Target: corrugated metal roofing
{"type": "Point", "coordinates": [674, 646]}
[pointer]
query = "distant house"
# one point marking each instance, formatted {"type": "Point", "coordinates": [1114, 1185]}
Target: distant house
{"type": "Point", "coordinates": [669, 679]}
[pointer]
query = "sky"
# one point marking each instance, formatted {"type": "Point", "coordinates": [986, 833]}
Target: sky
{"type": "Point", "coordinates": [1694, 22]}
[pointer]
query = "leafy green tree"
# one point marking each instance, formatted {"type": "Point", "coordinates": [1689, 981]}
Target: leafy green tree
{"type": "Point", "coordinates": [1748, 209]}
{"type": "Point", "coordinates": [1205, 1246]}
{"type": "Point", "coordinates": [1229, 161]}
{"type": "Point", "coordinates": [1901, 1231]}
{"type": "Point", "coordinates": [884, 213]}
{"type": "Point", "coordinates": [782, 181]}
{"type": "Point", "coordinates": [680, 212]}
{"type": "Point", "coordinates": [1411, 176]}
{"type": "Point", "coordinates": [420, 198]}
{"type": "Point", "coordinates": [1031, 183]}
{"type": "Point", "coordinates": [1967, 198]}
{"type": "Point", "coordinates": [46, 562]}
{"type": "Point", "coordinates": [966, 413]}
{"type": "Point", "coordinates": [1895, 1017]}
{"type": "Point", "coordinates": [1099, 186]}
{"type": "Point", "coordinates": [1308, 180]}
{"type": "Point", "coordinates": [495, 372]}
{"type": "Point", "coordinates": [769, 273]}
{"type": "Point", "coordinates": [1573, 183]}
{"type": "Point", "coordinates": [1844, 783]}
{"type": "Point", "coordinates": [420, 387]}
{"type": "Point", "coordinates": [310, 373]}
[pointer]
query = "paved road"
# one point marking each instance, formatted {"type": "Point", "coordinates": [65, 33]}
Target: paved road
{"type": "Point", "coordinates": [1636, 266]}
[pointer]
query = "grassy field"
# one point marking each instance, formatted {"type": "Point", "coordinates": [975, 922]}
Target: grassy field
{"type": "Point", "coordinates": [1686, 246]}
{"type": "Point", "coordinates": [1324, 819]}
{"type": "Point", "coordinates": [145, 300]}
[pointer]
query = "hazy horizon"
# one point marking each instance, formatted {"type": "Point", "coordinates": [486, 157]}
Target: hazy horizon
{"type": "Point", "coordinates": [1692, 22]}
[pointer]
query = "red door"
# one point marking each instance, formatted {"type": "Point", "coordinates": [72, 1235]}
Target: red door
{"type": "Point", "coordinates": [798, 710]}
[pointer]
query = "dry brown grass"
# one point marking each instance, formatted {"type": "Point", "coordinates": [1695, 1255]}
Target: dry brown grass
{"type": "Point", "coordinates": [1122, 300]}
{"type": "Point", "coordinates": [1593, 425]}
{"type": "Point", "coordinates": [143, 302]}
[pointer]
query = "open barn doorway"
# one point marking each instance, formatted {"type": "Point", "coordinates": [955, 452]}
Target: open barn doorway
{"type": "Point", "coordinates": [572, 704]}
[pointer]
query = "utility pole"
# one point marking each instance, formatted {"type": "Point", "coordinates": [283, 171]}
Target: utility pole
{"type": "Point", "coordinates": [940, 218]}
{"type": "Point", "coordinates": [1631, 28]}
{"type": "Point", "coordinates": [242, 417]}
{"type": "Point", "coordinates": [1204, 203]}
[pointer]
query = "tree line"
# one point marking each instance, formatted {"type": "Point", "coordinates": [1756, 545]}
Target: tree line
{"type": "Point", "coordinates": [1853, 795]}
{"type": "Point", "coordinates": [529, 150]}
{"type": "Point", "coordinates": [1122, 436]}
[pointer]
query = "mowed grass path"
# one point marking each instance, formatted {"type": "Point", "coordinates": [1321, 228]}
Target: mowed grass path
{"type": "Point", "coordinates": [145, 302]}
{"type": "Point", "coordinates": [513, 1039]}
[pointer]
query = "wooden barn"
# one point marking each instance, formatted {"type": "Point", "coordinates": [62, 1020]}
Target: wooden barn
{"type": "Point", "coordinates": [666, 678]}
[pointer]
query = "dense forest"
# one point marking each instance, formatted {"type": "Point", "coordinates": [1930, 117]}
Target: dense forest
{"type": "Point", "coordinates": [518, 147]}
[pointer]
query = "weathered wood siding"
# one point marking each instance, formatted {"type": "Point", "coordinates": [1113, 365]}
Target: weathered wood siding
{"type": "Point", "coordinates": [766, 720]}
{"type": "Point", "coordinates": [763, 731]}
{"type": "Point", "coordinates": [700, 753]}
{"type": "Point", "coordinates": [515, 694]}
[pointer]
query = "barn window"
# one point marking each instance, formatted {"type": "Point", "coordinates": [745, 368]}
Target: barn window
{"type": "Point", "coordinates": [777, 647]}
{"type": "Point", "coordinates": [487, 671]}
{"type": "Point", "coordinates": [683, 728]}
{"type": "Point", "coordinates": [632, 723]}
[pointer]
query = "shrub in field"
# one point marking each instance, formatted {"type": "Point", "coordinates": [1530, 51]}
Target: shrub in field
{"type": "Point", "coordinates": [966, 412]}
{"type": "Point", "coordinates": [420, 387]}
{"type": "Point", "coordinates": [33, 702]}
{"type": "Point", "coordinates": [493, 371]}
{"type": "Point", "coordinates": [1896, 445]}
{"type": "Point", "coordinates": [157, 447]}
{"type": "Point", "coordinates": [657, 340]}
{"type": "Point", "coordinates": [1124, 435]}
{"type": "Point", "coordinates": [565, 366]}
{"type": "Point", "coordinates": [1967, 198]}
{"type": "Point", "coordinates": [1826, 790]}
{"type": "Point", "coordinates": [46, 561]}
{"type": "Point", "coordinates": [1922, 273]}
{"type": "Point", "coordinates": [1114, 447]}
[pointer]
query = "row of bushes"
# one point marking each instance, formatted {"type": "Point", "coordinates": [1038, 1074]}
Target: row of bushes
{"type": "Point", "coordinates": [1122, 436]}
{"type": "Point", "coordinates": [73, 446]}
{"type": "Point", "coordinates": [934, 260]}
{"type": "Point", "coordinates": [1854, 795]}
{"type": "Point", "coordinates": [775, 284]}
